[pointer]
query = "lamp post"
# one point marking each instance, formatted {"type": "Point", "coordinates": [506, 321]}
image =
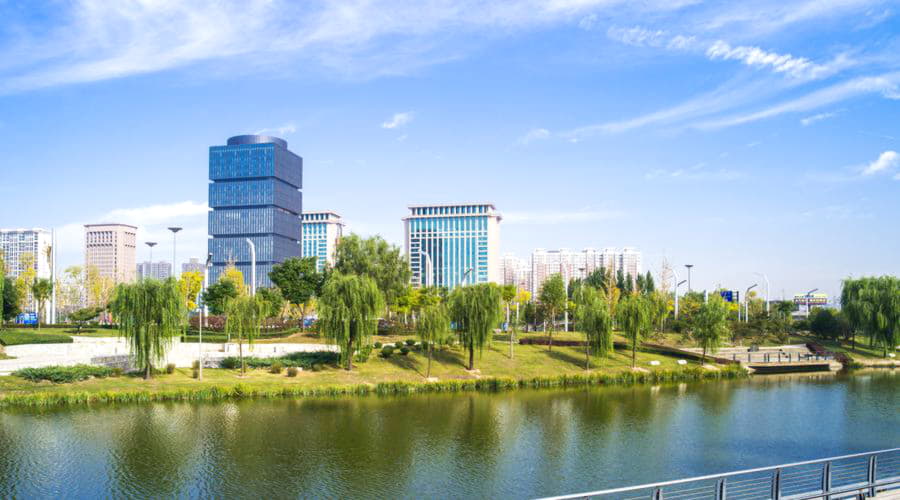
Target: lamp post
{"type": "Point", "coordinates": [429, 268]}
{"type": "Point", "coordinates": [150, 244]}
{"type": "Point", "coordinates": [689, 266]}
{"type": "Point", "coordinates": [462, 281]}
{"type": "Point", "coordinates": [203, 311]}
{"type": "Point", "coordinates": [677, 284]}
{"type": "Point", "coordinates": [808, 297]}
{"type": "Point", "coordinates": [174, 232]}
{"type": "Point", "coordinates": [252, 267]}
{"type": "Point", "coordinates": [766, 279]}
{"type": "Point", "coordinates": [747, 302]}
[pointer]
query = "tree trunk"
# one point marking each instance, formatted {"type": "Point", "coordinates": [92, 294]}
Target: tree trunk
{"type": "Point", "coordinates": [471, 357]}
{"type": "Point", "coordinates": [634, 352]}
{"type": "Point", "coordinates": [587, 355]}
{"type": "Point", "coordinates": [241, 353]}
{"type": "Point", "coordinates": [147, 371]}
{"type": "Point", "coordinates": [430, 350]}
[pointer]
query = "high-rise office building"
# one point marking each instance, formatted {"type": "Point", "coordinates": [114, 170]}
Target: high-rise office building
{"type": "Point", "coordinates": [16, 243]}
{"type": "Point", "coordinates": [158, 270]}
{"type": "Point", "coordinates": [321, 233]}
{"type": "Point", "coordinates": [578, 265]}
{"type": "Point", "coordinates": [449, 245]}
{"type": "Point", "coordinates": [255, 195]}
{"type": "Point", "coordinates": [111, 249]}
{"type": "Point", "coordinates": [192, 265]}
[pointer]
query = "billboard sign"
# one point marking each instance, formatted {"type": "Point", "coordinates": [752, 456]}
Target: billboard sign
{"type": "Point", "coordinates": [26, 319]}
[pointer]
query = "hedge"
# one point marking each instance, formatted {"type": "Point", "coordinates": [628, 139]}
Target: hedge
{"type": "Point", "coordinates": [21, 338]}
{"type": "Point", "coordinates": [295, 359]}
{"type": "Point", "coordinates": [66, 374]}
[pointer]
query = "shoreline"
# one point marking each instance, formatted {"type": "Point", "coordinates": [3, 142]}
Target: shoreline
{"type": "Point", "coordinates": [248, 391]}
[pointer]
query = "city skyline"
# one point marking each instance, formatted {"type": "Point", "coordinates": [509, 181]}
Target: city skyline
{"type": "Point", "coordinates": [740, 139]}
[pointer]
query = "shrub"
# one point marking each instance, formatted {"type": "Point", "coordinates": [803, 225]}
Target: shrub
{"type": "Point", "coordinates": [292, 371]}
{"type": "Point", "coordinates": [67, 374]}
{"type": "Point", "coordinates": [298, 359]}
{"type": "Point", "coordinates": [276, 367]}
{"type": "Point", "coordinates": [195, 373]}
{"type": "Point", "coordinates": [398, 344]}
{"type": "Point", "coordinates": [363, 355]}
{"type": "Point", "coordinates": [387, 351]}
{"type": "Point", "coordinates": [196, 364]}
{"type": "Point", "coordinates": [378, 345]}
{"type": "Point", "coordinates": [170, 368]}
{"type": "Point", "coordinates": [424, 345]}
{"type": "Point", "coordinates": [317, 367]}
{"type": "Point", "coordinates": [404, 351]}
{"type": "Point", "coordinates": [410, 342]}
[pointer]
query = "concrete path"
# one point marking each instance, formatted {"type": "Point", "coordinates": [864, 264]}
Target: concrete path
{"type": "Point", "coordinates": [109, 351]}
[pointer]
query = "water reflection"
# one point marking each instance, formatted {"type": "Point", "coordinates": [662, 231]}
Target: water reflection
{"type": "Point", "coordinates": [513, 444]}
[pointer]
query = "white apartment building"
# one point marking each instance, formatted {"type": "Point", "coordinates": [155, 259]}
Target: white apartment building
{"type": "Point", "coordinates": [158, 270]}
{"type": "Point", "coordinates": [321, 233]}
{"type": "Point", "coordinates": [579, 264]}
{"type": "Point", "coordinates": [516, 272]}
{"type": "Point", "coordinates": [111, 249]}
{"type": "Point", "coordinates": [15, 243]}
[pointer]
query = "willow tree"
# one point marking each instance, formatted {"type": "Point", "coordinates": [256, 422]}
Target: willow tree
{"type": "Point", "coordinates": [710, 324]}
{"type": "Point", "coordinates": [432, 325]}
{"type": "Point", "coordinates": [348, 312]}
{"type": "Point", "coordinates": [476, 311]}
{"type": "Point", "coordinates": [244, 316]}
{"type": "Point", "coordinates": [150, 314]}
{"type": "Point", "coordinates": [596, 322]}
{"type": "Point", "coordinates": [41, 290]}
{"type": "Point", "coordinates": [635, 319]}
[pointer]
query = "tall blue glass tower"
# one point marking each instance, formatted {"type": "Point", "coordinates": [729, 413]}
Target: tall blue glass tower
{"type": "Point", "coordinates": [255, 194]}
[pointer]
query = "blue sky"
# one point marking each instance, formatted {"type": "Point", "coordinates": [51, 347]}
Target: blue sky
{"type": "Point", "coordinates": [741, 137]}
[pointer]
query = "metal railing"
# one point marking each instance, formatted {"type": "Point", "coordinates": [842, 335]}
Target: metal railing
{"type": "Point", "coordinates": [850, 476]}
{"type": "Point", "coordinates": [778, 357]}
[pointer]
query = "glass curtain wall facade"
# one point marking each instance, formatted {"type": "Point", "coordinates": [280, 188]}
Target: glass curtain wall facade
{"type": "Point", "coordinates": [445, 242]}
{"type": "Point", "coordinates": [321, 233]}
{"type": "Point", "coordinates": [255, 194]}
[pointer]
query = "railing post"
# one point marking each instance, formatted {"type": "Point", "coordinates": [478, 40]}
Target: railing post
{"type": "Point", "coordinates": [826, 481]}
{"type": "Point", "coordinates": [657, 494]}
{"type": "Point", "coordinates": [776, 485]}
{"type": "Point", "coordinates": [721, 490]}
{"type": "Point", "coordinates": [873, 466]}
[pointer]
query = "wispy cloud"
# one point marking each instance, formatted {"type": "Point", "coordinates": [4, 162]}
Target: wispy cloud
{"type": "Point", "coordinates": [398, 120]}
{"type": "Point", "coordinates": [551, 217]}
{"type": "Point", "coordinates": [534, 134]}
{"type": "Point", "coordinates": [796, 67]}
{"type": "Point", "coordinates": [809, 120]}
{"type": "Point", "coordinates": [885, 161]}
{"type": "Point", "coordinates": [286, 129]}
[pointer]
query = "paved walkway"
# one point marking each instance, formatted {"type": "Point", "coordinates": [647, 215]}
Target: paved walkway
{"type": "Point", "coordinates": [114, 352]}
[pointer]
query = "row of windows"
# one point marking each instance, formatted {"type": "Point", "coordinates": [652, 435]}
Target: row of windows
{"type": "Point", "coordinates": [255, 160]}
{"type": "Point", "coordinates": [450, 224]}
{"type": "Point", "coordinates": [255, 192]}
{"type": "Point", "coordinates": [451, 210]}
{"type": "Point", "coordinates": [253, 221]}
{"type": "Point", "coordinates": [268, 249]}
{"type": "Point", "coordinates": [450, 259]}
{"type": "Point", "coordinates": [262, 273]}
{"type": "Point", "coordinates": [319, 216]}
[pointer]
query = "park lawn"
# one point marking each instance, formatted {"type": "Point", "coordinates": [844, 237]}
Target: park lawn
{"type": "Point", "coordinates": [529, 361]}
{"type": "Point", "coordinates": [20, 336]}
{"type": "Point", "coordinates": [860, 351]}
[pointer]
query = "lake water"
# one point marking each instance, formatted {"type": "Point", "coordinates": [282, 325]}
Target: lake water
{"type": "Point", "coordinates": [507, 445]}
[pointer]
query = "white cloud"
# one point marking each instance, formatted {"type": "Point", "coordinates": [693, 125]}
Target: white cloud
{"type": "Point", "coordinates": [809, 120]}
{"type": "Point", "coordinates": [534, 134]}
{"type": "Point", "coordinates": [637, 36]}
{"type": "Point", "coordinates": [398, 120]}
{"type": "Point", "coordinates": [551, 217]}
{"type": "Point", "coordinates": [796, 67]}
{"type": "Point", "coordinates": [886, 161]}
{"type": "Point", "coordinates": [286, 129]}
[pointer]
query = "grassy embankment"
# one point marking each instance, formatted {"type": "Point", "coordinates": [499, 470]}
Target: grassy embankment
{"type": "Point", "coordinates": [532, 366]}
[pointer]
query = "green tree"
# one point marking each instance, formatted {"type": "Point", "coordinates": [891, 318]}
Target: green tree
{"type": "Point", "coordinates": [599, 279]}
{"type": "Point", "coordinates": [432, 327]}
{"type": "Point", "coordinates": [348, 312]}
{"type": "Point", "coordinates": [150, 314]}
{"type": "Point", "coordinates": [217, 295]}
{"type": "Point", "coordinates": [245, 314]}
{"type": "Point", "coordinates": [649, 284]}
{"type": "Point", "coordinates": [508, 295]}
{"type": "Point", "coordinates": [553, 298]}
{"type": "Point", "coordinates": [189, 284]}
{"type": "Point", "coordinates": [41, 290]}
{"type": "Point", "coordinates": [273, 301]}
{"type": "Point", "coordinates": [82, 316]}
{"type": "Point", "coordinates": [620, 280]}
{"type": "Point", "coordinates": [298, 279]}
{"type": "Point", "coordinates": [634, 317]}
{"type": "Point", "coordinates": [824, 324]}
{"type": "Point", "coordinates": [476, 311]}
{"type": "Point", "coordinates": [596, 323]}
{"type": "Point", "coordinates": [375, 258]}
{"type": "Point", "coordinates": [710, 324]}
{"type": "Point", "coordinates": [10, 299]}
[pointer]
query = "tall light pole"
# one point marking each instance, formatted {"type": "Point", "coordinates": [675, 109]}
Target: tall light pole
{"type": "Point", "coordinates": [174, 232]}
{"type": "Point", "coordinates": [462, 281]}
{"type": "Point", "coordinates": [689, 266]}
{"type": "Point", "coordinates": [203, 311]}
{"type": "Point", "coordinates": [747, 302]}
{"type": "Point", "coordinates": [766, 278]}
{"type": "Point", "coordinates": [252, 267]}
{"type": "Point", "coordinates": [150, 244]}
{"type": "Point", "coordinates": [808, 296]}
{"type": "Point", "coordinates": [677, 284]}
{"type": "Point", "coordinates": [429, 268]}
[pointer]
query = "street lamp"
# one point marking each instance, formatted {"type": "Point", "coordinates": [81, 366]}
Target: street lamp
{"type": "Point", "coordinates": [808, 296]}
{"type": "Point", "coordinates": [747, 302]}
{"type": "Point", "coordinates": [766, 278]}
{"type": "Point", "coordinates": [465, 274]}
{"type": "Point", "coordinates": [429, 268]}
{"type": "Point", "coordinates": [677, 284]}
{"type": "Point", "coordinates": [203, 311]}
{"type": "Point", "coordinates": [150, 244]}
{"type": "Point", "coordinates": [252, 267]}
{"type": "Point", "coordinates": [689, 266]}
{"type": "Point", "coordinates": [174, 232]}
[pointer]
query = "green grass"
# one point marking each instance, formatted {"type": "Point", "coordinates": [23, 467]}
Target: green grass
{"type": "Point", "coordinates": [22, 336]}
{"type": "Point", "coordinates": [532, 366]}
